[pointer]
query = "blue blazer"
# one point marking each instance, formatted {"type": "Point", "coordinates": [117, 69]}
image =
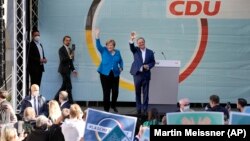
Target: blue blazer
{"type": "Point", "coordinates": [65, 105]}
{"type": "Point", "coordinates": [109, 62]}
{"type": "Point", "coordinates": [138, 62]}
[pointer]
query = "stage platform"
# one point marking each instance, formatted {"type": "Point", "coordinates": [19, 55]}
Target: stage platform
{"type": "Point", "coordinates": [129, 108]}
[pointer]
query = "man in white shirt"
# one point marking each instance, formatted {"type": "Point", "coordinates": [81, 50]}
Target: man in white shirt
{"type": "Point", "coordinates": [35, 100]}
{"type": "Point", "coordinates": [65, 68]}
{"type": "Point", "coordinates": [143, 61]}
{"type": "Point", "coordinates": [35, 59]}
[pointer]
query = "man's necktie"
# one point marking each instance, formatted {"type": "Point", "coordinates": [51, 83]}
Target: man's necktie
{"type": "Point", "coordinates": [35, 105]}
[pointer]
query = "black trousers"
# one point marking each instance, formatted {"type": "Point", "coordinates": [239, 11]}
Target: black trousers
{"type": "Point", "coordinates": [66, 86]}
{"type": "Point", "coordinates": [35, 77]}
{"type": "Point", "coordinates": [109, 83]}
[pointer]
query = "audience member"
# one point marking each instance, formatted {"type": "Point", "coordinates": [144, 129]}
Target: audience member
{"type": "Point", "coordinates": [73, 128]}
{"type": "Point", "coordinates": [164, 120]}
{"type": "Point", "coordinates": [9, 133]}
{"type": "Point", "coordinates": [35, 100]}
{"type": "Point", "coordinates": [29, 120]}
{"type": "Point", "coordinates": [40, 132]}
{"type": "Point", "coordinates": [216, 107]}
{"type": "Point", "coordinates": [153, 118]}
{"type": "Point", "coordinates": [54, 111]}
{"type": "Point", "coordinates": [241, 103]}
{"type": "Point", "coordinates": [64, 100]}
{"type": "Point", "coordinates": [6, 109]}
{"type": "Point", "coordinates": [184, 105]}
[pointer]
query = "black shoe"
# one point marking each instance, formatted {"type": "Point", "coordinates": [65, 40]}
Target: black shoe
{"type": "Point", "coordinates": [115, 110]}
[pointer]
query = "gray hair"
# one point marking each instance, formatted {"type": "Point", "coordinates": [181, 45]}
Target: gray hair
{"type": "Point", "coordinates": [64, 95]}
{"type": "Point", "coordinates": [42, 121]}
{"type": "Point", "coordinates": [140, 39]}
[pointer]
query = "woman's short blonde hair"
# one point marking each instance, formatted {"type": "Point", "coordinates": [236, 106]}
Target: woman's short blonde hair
{"type": "Point", "coordinates": [110, 41]}
{"type": "Point", "coordinates": [75, 111]}
{"type": "Point", "coordinates": [8, 133]}
{"type": "Point", "coordinates": [29, 114]}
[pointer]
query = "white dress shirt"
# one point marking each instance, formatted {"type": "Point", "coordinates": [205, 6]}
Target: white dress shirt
{"type": "Point", "coordinates": [143, 54]}
{"type": "Point", "coordinates": [40, 49]}
{"type": "Point", "coordinates": [33, 103]}
{"type": "Point", "coordinates": [67, 48]}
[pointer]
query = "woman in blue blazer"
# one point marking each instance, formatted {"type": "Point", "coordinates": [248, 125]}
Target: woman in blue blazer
{"type": "Point", "coordinates": [109, 69]}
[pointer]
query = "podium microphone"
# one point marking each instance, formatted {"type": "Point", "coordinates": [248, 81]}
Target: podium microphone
{"type": "Point", "coordinates": [163, 55]}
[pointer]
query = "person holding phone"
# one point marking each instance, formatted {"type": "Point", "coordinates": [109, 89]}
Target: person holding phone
{"type": "Point", "coordinates": [66, 66]}
{"type": "Point", "coordinates": [109, 69]}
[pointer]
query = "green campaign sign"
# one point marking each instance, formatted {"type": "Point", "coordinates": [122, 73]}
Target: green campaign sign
{"type": "Point", "coordinates": [195, 118]}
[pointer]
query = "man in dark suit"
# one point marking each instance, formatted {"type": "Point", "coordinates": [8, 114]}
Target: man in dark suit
{"type": "Point", "coordinates": [66, 66]}
{"type": "Point", "coordinates": [36, 101]}
{"type": "Point", "coordinates": [64, 100]}
{"type": "Point", "coordinates": [35, 59]}
{"type": "Point", "coordinates": [143, 61]}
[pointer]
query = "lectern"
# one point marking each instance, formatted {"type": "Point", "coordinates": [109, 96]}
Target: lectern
{"type": "Point", "coordinates": [164, 84]}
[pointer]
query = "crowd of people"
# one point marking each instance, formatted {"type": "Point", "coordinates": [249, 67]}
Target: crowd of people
{"type": "Point", "coordinates": [42, 120]}
{"type": "Point", "coordinates": [61, 121]}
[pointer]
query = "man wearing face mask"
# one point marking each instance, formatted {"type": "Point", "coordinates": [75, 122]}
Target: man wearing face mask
{"type": "Point", "coordinates": [184, 105]}
{"type": "Point", "coordinates": [35, 59]}
{"type": "Point", "coordinates": [36, 101]}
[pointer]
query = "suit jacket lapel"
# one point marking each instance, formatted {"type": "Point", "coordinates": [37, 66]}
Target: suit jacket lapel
{"type": "Point", "coordinates": [140, 55]}
{"type": "Point", "coordinates": [65, 50]}
{"type": "Point", "coordinates": [146, 55]}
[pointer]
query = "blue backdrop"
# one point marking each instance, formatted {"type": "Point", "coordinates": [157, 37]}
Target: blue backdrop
{"type": "Point", "coordinates": [214, 52]}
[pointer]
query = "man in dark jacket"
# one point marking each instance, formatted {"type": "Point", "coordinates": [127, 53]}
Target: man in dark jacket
{"type": "Point", "coordinates": [35, 59]}
{"type": "Point", "coordinates": [66, 66]}
{"type": "Point", "coordinates": [35, 100]}
{"type": "Point", "coordinates": [216, 107]}
{"type": "Point", "coordinates": [64, 100]}
{"type": "Point", "coordinates": [40, 132]}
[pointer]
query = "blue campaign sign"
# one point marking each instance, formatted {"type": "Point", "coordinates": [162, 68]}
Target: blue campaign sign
{"type": "Point", "coordinates": [195, 118]}
{"type": "Point", "coordinates": [237, 118]}
{"type": "Point", "coordinates": [246, 109]}
{"type": "Point", "coordinates": [99, 124]}
{"type": "Point", "coordinates": [116, 134]}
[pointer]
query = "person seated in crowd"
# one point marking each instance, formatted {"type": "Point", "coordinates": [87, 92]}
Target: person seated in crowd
{"type": "Point", "coordinates": [29, 120]}
{"type": "Point", "coordinates": [64, 100]}
{"type": "Point", "coordinates": [241, 103]}
{"type": "Point", "coordinates": [184, 105]}
{"type": "Point", "coordinates": [214, 102]}
{"type": "Point", "coordinates": [153, 118]}
{"type": "Point", "coordinates": [55, 131]}
{"type": "Point", "coordinates": [40, 132]}
{"type": "Point", "coordinates": [164, 120]}
{"type": "Point", "coordinates": [141, 132]}
{"type": "Point", "coordinates": [6, 109]}
{"type": "Point", "coordinates": [35, 100]}
{"type": "Point", "coordinates": [73, 128]}
{"type": "Point", "coordinates": [9, 133]}
{"type": "Point", "coordinates": [54, 111]}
